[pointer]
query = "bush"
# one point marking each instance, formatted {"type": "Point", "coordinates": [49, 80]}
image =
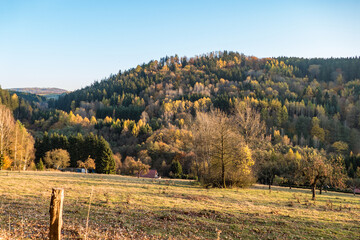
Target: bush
{"type": "Point", "coordinates": [40, 165]}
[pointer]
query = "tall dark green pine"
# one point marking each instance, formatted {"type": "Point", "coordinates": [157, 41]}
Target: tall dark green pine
{"type": "Point", "coordinates": [108, 161]}
{"type": "Point", "coordinates": [76, 149]}
{"type": "Point", "coordinates": [104, 160]}
{"type": "Point", "coordinates": [91, 148]}
{"type": "Point", "coordinates": [176, 168]}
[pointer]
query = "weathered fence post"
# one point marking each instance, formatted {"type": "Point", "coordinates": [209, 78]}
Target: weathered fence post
{"type": "Point", "coordinates": [56, 209]}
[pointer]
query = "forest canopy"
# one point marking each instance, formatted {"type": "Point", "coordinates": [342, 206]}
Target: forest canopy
{"type": "Point", "coordinates": [155, 111]}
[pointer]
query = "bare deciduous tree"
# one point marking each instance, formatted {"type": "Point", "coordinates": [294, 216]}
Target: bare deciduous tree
{"type": "Point", "coordinates": [15, 141]}
{"type": "Point", "coordinates": [6, 127]}
{"type": "Point", "coordinates": [222, 156]}
{"type": "Point", "coordinates": [314, 168]}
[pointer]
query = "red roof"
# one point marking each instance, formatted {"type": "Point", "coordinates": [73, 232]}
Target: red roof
{"type": "Point", "coordinates": [151, 174]}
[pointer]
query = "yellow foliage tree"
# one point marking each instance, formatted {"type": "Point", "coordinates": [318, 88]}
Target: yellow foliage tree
{"type": "Point", "coordinates": [93, 120]}
{"type": "Point", "coordinates": [7, 163]}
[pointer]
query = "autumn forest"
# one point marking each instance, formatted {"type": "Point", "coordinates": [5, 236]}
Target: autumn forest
{"type": "Point", "coordinates": [222, 118]}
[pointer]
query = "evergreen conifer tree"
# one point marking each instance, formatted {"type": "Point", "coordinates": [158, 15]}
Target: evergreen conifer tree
{"type": "Point", "coordinates": [176, 168]}
{"type": "Point", "coordinates": [104, 160]}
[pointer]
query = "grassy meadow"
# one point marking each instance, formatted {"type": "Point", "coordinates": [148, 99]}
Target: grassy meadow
{"type": "Point", "coordinates": [132, 208]}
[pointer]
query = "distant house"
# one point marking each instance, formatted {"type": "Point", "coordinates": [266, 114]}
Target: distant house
{"type": "Point", "coordinates": [357, 190]}
{"type": "Point", "coordinates": [78, 170]}
{"type": "Point", "coordinates": [151, 174]}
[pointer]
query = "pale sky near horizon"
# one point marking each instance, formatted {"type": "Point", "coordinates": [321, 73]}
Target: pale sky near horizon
{"type": "Point", "coordinates": [70, 44]}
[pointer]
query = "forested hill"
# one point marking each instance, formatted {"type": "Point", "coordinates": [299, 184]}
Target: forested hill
{"type": "Point", "coordinates": [210, 75]}
{"type": "Point", "coordinates": [148, 112]}
{"type": "Point", "coordinates": [289, 93]}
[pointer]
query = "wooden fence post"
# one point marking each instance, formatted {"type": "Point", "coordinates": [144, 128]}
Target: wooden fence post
{"type": "Point", "coordinates": [56, 209]}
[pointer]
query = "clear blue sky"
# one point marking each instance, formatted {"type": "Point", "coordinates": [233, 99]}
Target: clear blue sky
{"type": "Point", "coordinates": [71, 43]}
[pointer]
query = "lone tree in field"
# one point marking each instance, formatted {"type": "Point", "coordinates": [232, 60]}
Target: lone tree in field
{"type": "Point", "coordinates": [57, 158]}
{"type": "Point", "coordinates": [314, 169]}
{"type": "Point", "coordinates": [317, 170]}
{"type": "Point", "coordinates": [88, 164]}
{"type": "Point", "coordinates": [223, 158]}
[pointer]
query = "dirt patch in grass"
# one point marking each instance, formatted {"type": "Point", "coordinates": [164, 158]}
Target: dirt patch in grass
{"type": "Point", "coordinates": [192, 197]}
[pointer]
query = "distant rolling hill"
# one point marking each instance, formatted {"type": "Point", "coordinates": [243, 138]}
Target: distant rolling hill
{"type": "Point", "coordinates": [44, 92]}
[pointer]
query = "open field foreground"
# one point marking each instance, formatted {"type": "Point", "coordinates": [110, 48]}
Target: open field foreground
{"type": "Point", "coordinates": [131, 208]}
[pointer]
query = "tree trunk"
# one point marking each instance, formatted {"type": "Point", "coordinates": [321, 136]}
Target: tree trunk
{"type": "Point", "coordinates": [271, 181]}
{"type": "Point", "coordinates": [313, 192]}
{"type": "Point", "coordinates": [15, 147]}
{"type": "Point", "coordinates": [321, 187]}
{"type": "Point", "coordinates": [223, 162]}
{"type": "Point", "coordinates": [2, 123]}
{"type": "Point", "coordinates": [223, 175]}
{"type": "Point", "coordinates": [197, 167]}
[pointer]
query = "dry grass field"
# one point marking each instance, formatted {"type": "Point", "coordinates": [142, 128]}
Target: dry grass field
{"type": "Point", "coordinates": [132, 208]}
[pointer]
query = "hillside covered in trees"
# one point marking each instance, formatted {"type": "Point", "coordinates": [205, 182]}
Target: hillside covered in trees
{"type": "Point", "coordinates": [161, 114]}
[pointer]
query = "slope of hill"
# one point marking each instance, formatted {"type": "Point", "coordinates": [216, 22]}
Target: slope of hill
{"type": "Point", "coordinates": [289, 93]}
{"type": "Point", "coordinates": [49, 93]}
{"type": "Point", "coordinates": [30, 97]}
{"type": "Point", "coordinates": [41, 91]}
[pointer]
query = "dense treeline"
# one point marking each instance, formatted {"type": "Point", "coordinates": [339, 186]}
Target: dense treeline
{"type": "Point", "coordinates": [155, 112]}
{"type": "Point", "coordinates": [325, 69]}
{"type": "Point", "coordinates": [80, 148]}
